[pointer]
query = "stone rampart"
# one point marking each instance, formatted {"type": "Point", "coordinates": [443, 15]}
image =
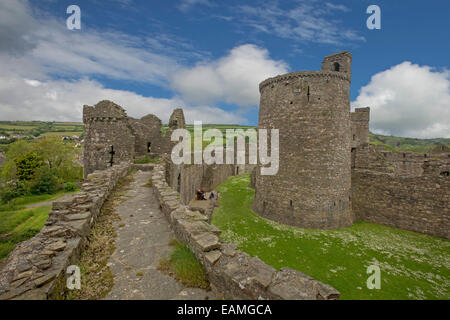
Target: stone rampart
{"type": "Point", "coordinates": [418, 200]}
{"type": "Point", "coordinates": [233, 274]}
{"type": "Point", "coordinates": [34, 267]}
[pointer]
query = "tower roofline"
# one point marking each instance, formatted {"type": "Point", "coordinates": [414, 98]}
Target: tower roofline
{"type": "Point", "coordinates": [346, 53]}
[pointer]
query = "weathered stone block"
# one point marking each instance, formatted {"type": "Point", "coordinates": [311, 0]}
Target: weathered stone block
{"type": "Point", "coordinates": [291, 284]}
{"type": "Point", "coordinates": [206, 241]}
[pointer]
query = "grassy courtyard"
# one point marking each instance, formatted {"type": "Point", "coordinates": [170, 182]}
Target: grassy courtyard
{"type": "Point", "coordinates": [413, 265]}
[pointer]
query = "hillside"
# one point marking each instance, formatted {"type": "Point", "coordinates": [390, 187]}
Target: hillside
{"type": "Point", "coordinates": [407, 144]}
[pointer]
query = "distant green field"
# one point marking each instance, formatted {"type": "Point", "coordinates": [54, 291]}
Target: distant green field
{"type": "Point", "coordinates": [12, 127]}
{"type": "Point", "coordinates": [61, 134]}
{"type": "Point", "coordinates": [413, 265]}
{"type": "Point", "coordinates": [40, 128]}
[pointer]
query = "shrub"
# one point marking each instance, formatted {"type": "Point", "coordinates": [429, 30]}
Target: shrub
{"type": "Point", "coordinates": [45, 181]}
{"type": "Point", "coordinates": [7, 194]}
{"type": "Point", "coordinates": [70, 186]}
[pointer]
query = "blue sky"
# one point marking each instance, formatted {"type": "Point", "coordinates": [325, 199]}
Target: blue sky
{"type": "Point", "coordinates": [209, 56]}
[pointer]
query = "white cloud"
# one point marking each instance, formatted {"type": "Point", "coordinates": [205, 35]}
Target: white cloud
{"type": "Point", "coordinates": [233, 78]}
{"type": "Point", "coordinates": [408, 100]}
{"type": "Point", "coordinates": [60, 100]}
{"type": "Point", "coordinates": [305, 21]}
{"type": "Point", "coordinates": [49, 78]}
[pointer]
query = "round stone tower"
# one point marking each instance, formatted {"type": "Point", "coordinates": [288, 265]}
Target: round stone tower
{"type": "Point", "coordinates": [311, 109]}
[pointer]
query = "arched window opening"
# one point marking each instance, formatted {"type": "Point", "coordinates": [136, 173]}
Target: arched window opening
{"type": "Point", "coordinates": [336, 66]}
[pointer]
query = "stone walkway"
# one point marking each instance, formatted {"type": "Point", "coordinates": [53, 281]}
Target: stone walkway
{"type": "Point", "coordinates": [142, 241]}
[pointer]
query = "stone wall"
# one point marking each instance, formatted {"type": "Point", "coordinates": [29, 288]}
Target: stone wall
{"type": "Point", "coordinates": [360, 126]}
{"type": "Point", "coordinates": [188, 178]}
{"type": "Point", "coordinates": [34, 267]}
{"type": "Point", "coordinates": [403, 190]}
{"type": "Point", "coordinates": [233, 274]}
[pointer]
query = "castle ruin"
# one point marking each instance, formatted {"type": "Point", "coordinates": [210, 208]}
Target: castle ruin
{"type": "Point", "coordinates": [329, 174]}
{"type": "Point", "coordinates": [112, 137]}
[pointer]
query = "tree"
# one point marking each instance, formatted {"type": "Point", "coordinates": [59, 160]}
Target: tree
{"type": "Point", "coordinates": [38, 167]}
{"type": "Point", "coordinates": [26, 165]}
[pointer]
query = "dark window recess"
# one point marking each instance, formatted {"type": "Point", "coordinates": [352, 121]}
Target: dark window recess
{"type": "Point", "coordinates": [179, 182]}
{"type": "Point", "coordinates": [353, 157]}
{"type": "Point", "coordinates": [290, 203]}
{"type": "Point", "coordinates": [445, 173]}
{"type": "Point", "coordinates": [425, 155]}
{"type": "Point", "coordinates": [404, 155]}
{"type": "Point", "coordinates": [308, 93]}
{"type": "Point", "coordinates": [336, 66]}
{"type": "Point", "coordinates": [149, 147]}
{"type": "Point", "coordinates": [354, 137]}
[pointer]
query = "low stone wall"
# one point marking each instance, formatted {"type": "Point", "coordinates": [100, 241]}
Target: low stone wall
{"type": "Point", "coordinates": [419, 204]}
{"type": "Point", "coordinates": [34, 267]}
{"type": "Point", "coordinates": [188, 178]}
{"type": "Point", "coordinates": [233, 274]}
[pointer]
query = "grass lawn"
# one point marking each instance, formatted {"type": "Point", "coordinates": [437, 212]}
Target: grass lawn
{"type": "Point", "coordinates": [20, 225]}
{"type": "Point", "coordinates": [413, 265]}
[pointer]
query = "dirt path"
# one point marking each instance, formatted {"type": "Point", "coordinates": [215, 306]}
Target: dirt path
{"type": "Point", "coordinates": [143, 237]}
